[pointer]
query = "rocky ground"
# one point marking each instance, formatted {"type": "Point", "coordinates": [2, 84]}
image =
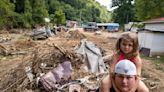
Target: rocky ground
{"type": "Point", "coordinates": [18, 50]}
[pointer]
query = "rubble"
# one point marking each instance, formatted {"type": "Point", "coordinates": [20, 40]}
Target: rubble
{"type": "Point", "coordinates": [76, 34]}
{"type": "Point", "coordinates": [40, 58]}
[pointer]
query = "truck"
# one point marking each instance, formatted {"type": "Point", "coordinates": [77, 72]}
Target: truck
{"type": "Point", "coordinates": [90, 26]}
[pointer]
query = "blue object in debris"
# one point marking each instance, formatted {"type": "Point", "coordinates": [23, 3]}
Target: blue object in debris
{"type": "Point", "coordinates": [112, 26]}
{"type": "Point", "coordinates": [109, 26]}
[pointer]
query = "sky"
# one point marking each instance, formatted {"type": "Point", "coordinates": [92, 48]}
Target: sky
{"type": "Point", "coordinates": [106, 3]}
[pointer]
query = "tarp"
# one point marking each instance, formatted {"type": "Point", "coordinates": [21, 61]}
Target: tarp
{"type": "Point", "coordinates": [92, 56]}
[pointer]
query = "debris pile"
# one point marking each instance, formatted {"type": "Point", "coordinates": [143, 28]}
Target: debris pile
{"type": "Point", "coordinates": [76, 35]}
{"type": "Point", "coordinates": [3, 50]}
{"type": "Point", "coordinates": [24, 44]}
{"type": "Point", "coordinates": [16, 48]}
{"type": "Point", "coordinates": [43, 61]}
{"type": "Point", "coordinates": [62, 33]}
{"type": "Point", "coordinates": [39, 66]}
{"type": "Point", "coordinates": [4, 38]}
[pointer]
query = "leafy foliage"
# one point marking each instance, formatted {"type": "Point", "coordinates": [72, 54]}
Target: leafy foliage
{"type": "Point", "coordinates": [6, 13]}
{"type": "Point", "coordinates": [39, 11]}
{"type": "Point", "coordinates": [125, 11]}
{"type": "Point", "coordinates": [59, 17]}
{"type": "Point", "coordinates": [148, 9]}
{"type": "Point", "coordinates": [26, 13]}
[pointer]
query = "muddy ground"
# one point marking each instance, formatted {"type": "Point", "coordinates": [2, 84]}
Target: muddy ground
{"type": "Point", "coordinates": [18, 50]}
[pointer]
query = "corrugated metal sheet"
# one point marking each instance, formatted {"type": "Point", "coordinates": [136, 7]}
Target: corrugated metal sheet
{"type": "Point", "coordinates": [158, 20]}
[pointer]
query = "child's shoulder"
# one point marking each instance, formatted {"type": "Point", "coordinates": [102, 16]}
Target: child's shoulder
{"type": "Point", "coordinates": [137, 58]}
{"type": "Point", "coordinates": [116, 54]}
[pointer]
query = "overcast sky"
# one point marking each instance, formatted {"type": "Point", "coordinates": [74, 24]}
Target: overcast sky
{"type": "Point", "coordinates": [106, 3]}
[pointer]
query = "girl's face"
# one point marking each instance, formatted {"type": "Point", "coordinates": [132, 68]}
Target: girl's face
{"type": "Point", "coordinates": [126, 46]}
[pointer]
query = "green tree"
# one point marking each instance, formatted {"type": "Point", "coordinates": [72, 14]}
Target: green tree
{"type": "Point", "coordinates": [59, 17]}
{"type": "Point", "coordinates": [28, 14]}
{"type": "Point", "coordinates": [53, 5]}
{"type": "Point", "coordinates": [70, 12]}
{"type": "Point", "coordinates": [23, 14]}
{"type": "Point", "coordinates": [125, 11]}
{"type": "Point", "coordinates": [148, 9]}
{"type": "Point", "coordinates": [105, 16]}
{"type": "Point", "coordinates": [19, 6]}
{"type": "Point", "coordinates": [77, 4]}
{"type": "Point", "coordinates": [85, 11]}
{"type": "Point", "coordinates": [39, 11]}
{"type": "Point", "coordinates": [6, 13]}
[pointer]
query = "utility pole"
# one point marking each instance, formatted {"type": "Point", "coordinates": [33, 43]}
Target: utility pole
{"type": "Point", "coordinates": [80, 17]}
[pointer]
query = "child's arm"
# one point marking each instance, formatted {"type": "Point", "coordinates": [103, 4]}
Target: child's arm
{"type": "Point", "coordinates": [138, 64]}
{"type": "Point", "coordinates": [113, 63]}
{"type": "Point", "coordinates": [105, 84]}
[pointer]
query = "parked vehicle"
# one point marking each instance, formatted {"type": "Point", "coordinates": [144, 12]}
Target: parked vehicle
{"type": "Point", "coordinates": [39, 33]}
{"type": "Point", "coordinates": [90, 26]}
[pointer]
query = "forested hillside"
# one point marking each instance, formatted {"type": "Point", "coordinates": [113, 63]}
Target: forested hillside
{"type": "Point", "coordinates": [26, 13]}
{"type": "Point", "coordinates": [137, 10]}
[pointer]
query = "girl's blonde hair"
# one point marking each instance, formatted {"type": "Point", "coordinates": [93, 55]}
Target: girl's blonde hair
{"type": "Point", "coordinates": [132, 37]}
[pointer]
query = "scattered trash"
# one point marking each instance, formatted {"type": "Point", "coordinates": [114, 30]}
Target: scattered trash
{"type": "Point", "coordinates": [61, 73]}
{"type": "Point", "coordinates": [29, 73]}
{"type": "Point", "coordinates": [41, 67]}
{"type": "Point", "coordinates": [4, 39]}
{"type": "Point", "coordinates": [158, 57]}
{"type": "Point", "coordinates": [75, 88]}
{"type": "Point", "coordinates": [153, 85]}
{"type": "Point", "coordinates": [98, 33]}
{"type": "Point", "coordinates": [92, 56]}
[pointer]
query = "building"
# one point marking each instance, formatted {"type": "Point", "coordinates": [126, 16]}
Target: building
{"type": "Point", "coordinates": [151, 38]}
{"type": "Point", "coordinates": [71, 24]}
{"type": "Point", "coordinates": [109, 26]}
{"type": "Point", "coordinates": [131, 26]}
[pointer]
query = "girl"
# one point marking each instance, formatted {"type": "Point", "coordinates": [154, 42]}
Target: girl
{"type": "Point", "coordinates": [126, 48]}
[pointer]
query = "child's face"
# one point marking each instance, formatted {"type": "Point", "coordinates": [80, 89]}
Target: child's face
{"type": "Point", "coordinates": [126, 46]}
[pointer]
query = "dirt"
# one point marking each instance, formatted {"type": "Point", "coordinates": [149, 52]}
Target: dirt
{"type": "Point", "coordinates": [13, 63]}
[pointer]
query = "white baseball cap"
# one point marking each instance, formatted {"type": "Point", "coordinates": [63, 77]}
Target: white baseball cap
{"type": "Point", "coordinates": [125, 67]}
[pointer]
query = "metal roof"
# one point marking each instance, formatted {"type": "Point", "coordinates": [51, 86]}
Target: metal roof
{"type": "Point", "coordinates": [152, 30]}
{"type": "Point", "coordinates": [107, 24]}
{"type": "Point", "coordinates": [158, 20]}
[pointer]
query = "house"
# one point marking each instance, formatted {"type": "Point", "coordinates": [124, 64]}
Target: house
{"type": "Point", "coordinates": [109, 26]}
{"type": "Point", "coordinates": [131, 26]}
{"type": "Point", "coordinates": [71, 24]}
{"type": "Point", "coordinates": [151, 38]}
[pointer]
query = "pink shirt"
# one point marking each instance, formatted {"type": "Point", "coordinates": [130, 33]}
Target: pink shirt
{"type": "Point", "coordinates": [121, 57]}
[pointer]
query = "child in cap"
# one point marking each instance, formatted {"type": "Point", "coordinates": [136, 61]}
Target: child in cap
{"type": "Point", "coordinates": [126, 48]}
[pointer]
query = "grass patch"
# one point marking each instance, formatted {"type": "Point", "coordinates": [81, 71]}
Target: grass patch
{"type": "Point", "coordinates": [155, 59]}
{"type": "Point", "coordinates": [159, 62]}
